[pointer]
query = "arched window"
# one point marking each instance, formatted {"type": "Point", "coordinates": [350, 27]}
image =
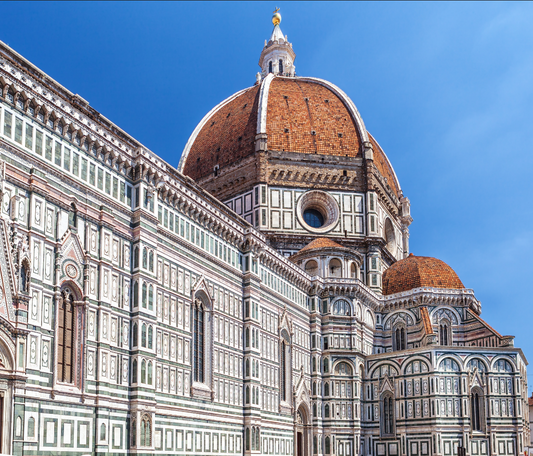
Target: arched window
{"type": "Point", "coordinates": [327, 446]}
{"type": "Point", "coordinates": [399, 338]}
{"type": "Point", "coordinates": [476, 409]}
{"type": "Point", "coordinates": [353, 271]}
{"type": "Point", "coordinates": [145, 258]}
{"type": "Point", "coordinates": [143, 335]}
{"type": "Point", "coordinates": [247, 394]}
{"type": "Point", "coordinates": [102, 431]}
{"type": "Point", "coordinates": [445, 332]}
{"type": "Point", "coordinates": [66, 346]}
{"type": "Point", "coordinates": [326, 389]}
{"type": "Point", "coordinates": [150, 373]}
{"type": "Point", "coordinates": [143, 371]}
{"type": "Point", "coordinates": [390, 237]}
{"type": "Point", "coordinates": [134, 371]}
{"type": "Point", "coordinates": [31, 427]}
{"type": "Point", "coordinates": [145, 295]}
{"type": "Point", "coordinates": [247, 367]}
{"type": "Point", "coordinates": [326, 365]}
{"type": "Point", "coordinates": [247, 439]}
{"type": "Point", "coordinates": [257, 439]}
{"type": "Point", "coordinates": [247, 337]}
{"type": "Point", "coordinates": [151, 261]}
{"type": "Point", "coordinates": [314, 411]}
{"type": "Point", "coordinates": [134, 335]}
{"type": "Point", "coordinates": [335, 268]}
{"type": "Point", "coordinates": [151, 298]}
{"type": "Point", "coordinates": [136, 294]}
{"type": "Point", "coordinates": [73, 216]}
{"type": "Point", "coordinates": [285, 373]}
{"type": "Point", "coordinates": [314, 388]}
{"type": "Point", "coordinates": [133, 433]}
{"type": "Point", "coordinates": [270, 67]}
{"type": "Point", "coordinates": [136, 257]}
{"type": "Point", "coordinates": [387, 414]}
{"type": "Point", "coordinates": [315, 446]}
{"type": "Point", "coordinates": [146, 431]}
{"type": "Point", "coordinates": [198, 340]}
{"type": "Point", "coordinates": [150, 337]}
{"type": "Point", "coordinates": [326, 411]}
{"type": "Point", "coordinates": [311, 267]}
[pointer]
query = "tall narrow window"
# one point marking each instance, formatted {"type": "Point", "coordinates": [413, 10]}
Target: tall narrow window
{"type": "Point", "coordinates": [387, 414]}
{"type": "Point", "coordinates": [283, 371]}
{"type": "Point", "coordinates": [65, 338]}
{"type": "Point", "coordinates": [280, 65]}
{"type": "Point", "coordinates": [198, 340]}
{"type": "Point", "coordinates": [269, 70]}
{"type": "Point", "coordinates": [399, 338]}
{"type": "Point", "coordinates": [73, 216]}
{"type": "Point", "coordinates": [445, 332]}
{"type": "Point", "coordinates": [476, 406]}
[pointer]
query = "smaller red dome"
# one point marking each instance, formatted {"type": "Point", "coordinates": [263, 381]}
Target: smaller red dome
{"type": "Point", "coordinates": [418, 271]}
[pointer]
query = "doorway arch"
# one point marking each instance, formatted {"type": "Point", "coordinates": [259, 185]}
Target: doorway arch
{"type": "Point", "coordinates": [302, 432]}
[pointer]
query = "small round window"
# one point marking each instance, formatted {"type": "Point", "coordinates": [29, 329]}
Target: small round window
{"type": "Point", "coordinates": [317, 211]}
{"type": "Point", "coordinates": [313, 218]}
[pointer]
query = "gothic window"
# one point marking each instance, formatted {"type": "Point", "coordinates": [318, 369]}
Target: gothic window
{"type": "Point", "coordinates": [476, 409]}
{"type": "Point", "coordinates": [151, 261]}
{"type": "Point", "coordinates": [150, 373]}
{"type": "Point", "coordinates": [270, 67]}
{"type": "Point", "coordinates": [247, 367]}
{"type": "Point", "coordinates": [399, 338]}
{"type": "Point", "coordinates": [135, 335]}
{"type": "Point", "coordinates": [66, 346]}
{"type": "Point", "coordinates": [145, 258]}
{"type": "Point", "coordinates": [198, 340]}
{"type": "Point", "coordinates": [102, 431]}
{"type": "Point", "coordinates": [145, 294]}
{"type": "Point", "coordinates": [247, 343]}
{"type": "Point", "coordinates": [445, 332]}
{"type": "Point", "coordinates": [146, 431]}
{"type": "Point", "coordinates": [387, 414]}
{"type": "Point", "coordinates": [247, 394]}
{"type": "Point", "coordinates": [25, 277]}
{"type": "Point", "coordinates": [327, 446]}
{"type": "Point", "coordinates": [285, 369]}
{"type": "Point", "coordinates": [326, 365]}
{"type": "Point", "coordinates": [151, 298]}
{"type": "Point", "coordinates": [150, 337]}
{"type": "Point", "coordinates": [143, 371]}
{"type": "Point", "coordinates": [143, 335]}
{"type": "Point", "coordinates": [326, 411]}
{"type": "Point", "coordinates": [136, 257]}
{"type": "Point", "coordinates": [326, 390]}
{"type": "Point", "coordinates": [133, 433]}
{"type": "Point", "coordinates": [314, 388]}
{"type": "Point", "coordinates": [280, 66]}
{"type": "Point", "coordinates": [73, 216]}
{"type": "Point", "coordinates": [134, 371]}
{"type": "Point", "coordinates": [247, 439]}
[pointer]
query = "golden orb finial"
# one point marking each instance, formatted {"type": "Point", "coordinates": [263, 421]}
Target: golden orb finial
{"type": "Point", "coordinates": [276, 17]}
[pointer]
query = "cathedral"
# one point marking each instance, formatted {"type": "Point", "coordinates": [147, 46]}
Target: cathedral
{"type": "Point", "coordinates": [259, 299]}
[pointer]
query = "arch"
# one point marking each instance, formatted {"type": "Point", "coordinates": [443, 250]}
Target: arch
{"type": "Point", "coordinates": [353, 270]}
{"type": "Point", "coordinates": [423, 365]}
{"type": "Point", "coordinates": [475, 361]}
{"type": "Point", "coordinates": [341, 307]}
{"type": "Point", "coordinates": [390, 236]}
{"type": "Point", "coordinates": [335, 268]}
{"type": "Point", "coordinates": [280, 66]}
{"type": "Point", "coordinates": [450, 364]}
{"type": "Point", "coordinates": [399, 336]}
{"type": "Point", "coordinates": [497, 366]}
{"type": "Point", "coordinates": [311, 267]}
{"type": "Point", "coordinates": [477, 409]}
{"type": "Point", "coordinates": [389, 367]}
{"type": "Point", "coordinates": [445, 332]}
{"type": "Point", "coordinates": [387, 414]}
{"type": "Point", "coordinates": [146, 430]}
{"type": "Point", "coordinates": [443, 312]}
{"type": "Point", "coordinates": [406, 315]}
{"type": "Point", "coordinates": [270, 67]}
{"type": "Point", "coordinates": [348, 370]}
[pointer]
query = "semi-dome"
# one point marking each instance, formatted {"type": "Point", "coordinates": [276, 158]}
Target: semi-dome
{"type": "Point", "coordinates": [291, 114]}
{"type": "Point", "coordinates": [419, 271]}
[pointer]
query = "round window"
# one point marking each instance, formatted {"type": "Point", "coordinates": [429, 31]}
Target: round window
{"type": "Point", "coordinates": [317, 211]}
{"type": "Point", "coordinates": [313, 218]}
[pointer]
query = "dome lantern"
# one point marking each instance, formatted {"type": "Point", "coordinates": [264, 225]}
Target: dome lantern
{"type": "Point", "coordinates": [277, 56]}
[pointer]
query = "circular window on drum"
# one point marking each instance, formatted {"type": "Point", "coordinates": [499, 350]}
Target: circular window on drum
{"type": "Point", "coordinates": [317, 211]}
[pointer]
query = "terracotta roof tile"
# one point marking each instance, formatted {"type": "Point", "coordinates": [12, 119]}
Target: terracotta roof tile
{"type": "Point", "coordinates": [418, 271]}
{"type": "Point", "coordinates": [530, 400]}
{"type": "Point", "coordinates": [384, 167]}
{"type": "Point", "coordinates": [321, 243]}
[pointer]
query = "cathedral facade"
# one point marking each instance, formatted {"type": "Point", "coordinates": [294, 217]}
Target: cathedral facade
{"type": "Point", "coordinates": [260, 299]}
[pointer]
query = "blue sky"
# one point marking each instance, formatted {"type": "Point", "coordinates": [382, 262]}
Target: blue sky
{"type": "Point", "coordinates": [445, 88]}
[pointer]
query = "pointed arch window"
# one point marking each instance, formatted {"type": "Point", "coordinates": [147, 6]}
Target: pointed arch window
{"type": "Point", "coordinates": [143, 371]}
{"type": "Point", "coordinates": [66, 340]}
{"type": "Point", "coordinates": [445, 332]}
{"type": "Point", "coordinates": [399, 338]}
{"type": "Point", "coordinates": [477, 412]}
{"type": "Point", "coordinates": [280, 66]}
{"type": "Point", "coordinates": [73, 216]}
{"type": "Point", "coordinates": [198, 340]}
{"type": "Point", "coordinates": [387, 414]}
{"type": "Point", "coordinates": [134, 371]}
{"type": "Point", "coordinates": [285, 372]}
{"type": "Point", "coordinates": [270, 67]}
{"type": "Point", "coordinates": [146, 431]}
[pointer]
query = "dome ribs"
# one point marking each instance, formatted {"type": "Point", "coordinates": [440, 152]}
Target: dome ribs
{"type": "Point", "coordinates": [417, 271]}
{"type": "Point", "coordinates": [229, 135]}
{"type": "Point", "coordinates": [302, 105]}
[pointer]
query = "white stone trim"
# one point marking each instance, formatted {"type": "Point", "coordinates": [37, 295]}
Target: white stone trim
{"type": "Point", "coordinates": [263, 104]}
{"type": "Point", "coordinates": [390, 164]}
{"type": "Point", "coordinates": [199, 127]}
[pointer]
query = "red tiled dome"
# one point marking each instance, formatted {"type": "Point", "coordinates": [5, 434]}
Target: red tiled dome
{"type": "Point", "coordinates": [418, 271]}
{"type": "Point", "coordinates": [322, 243]}
{"type": "Point", "coordinates": [303, 115]}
